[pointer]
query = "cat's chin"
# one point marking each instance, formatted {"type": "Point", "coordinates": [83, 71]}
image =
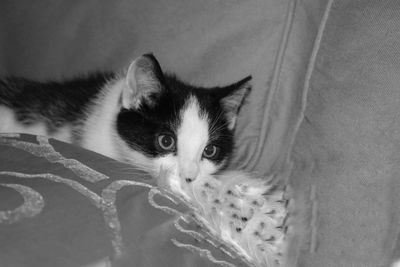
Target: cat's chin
{"type": "Point", "coordinates": [170, 164]}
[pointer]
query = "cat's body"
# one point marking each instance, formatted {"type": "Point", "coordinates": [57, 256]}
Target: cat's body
{"type": "Point", "coordinates": [144, 117]}
{"type": "Point", "coordinates": [54, 109]}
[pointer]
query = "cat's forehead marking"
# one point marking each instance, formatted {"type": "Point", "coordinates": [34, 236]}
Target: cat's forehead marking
{"type": "Point", "coordinates": [192, 134]}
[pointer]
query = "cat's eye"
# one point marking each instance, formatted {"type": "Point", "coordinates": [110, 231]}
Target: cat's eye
{"type": "Point", "coordinates": [211, 152]}
{"type": "Point", "coordinates": [166, 142]}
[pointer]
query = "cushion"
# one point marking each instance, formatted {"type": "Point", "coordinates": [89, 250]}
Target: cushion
{"type": "Point", "coordinates": [61, 205]}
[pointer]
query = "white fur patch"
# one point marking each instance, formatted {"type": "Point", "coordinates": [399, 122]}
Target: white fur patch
{"type": "Point", "coordinates": [192, 137]}
{"type": "Point", "coordinates": [100, 131]}
{"type": "Point", "coordinates": [10, 124]}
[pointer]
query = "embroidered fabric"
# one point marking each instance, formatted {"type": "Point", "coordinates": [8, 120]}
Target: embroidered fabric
{"type": "Point", "coordinates": [34, 202]}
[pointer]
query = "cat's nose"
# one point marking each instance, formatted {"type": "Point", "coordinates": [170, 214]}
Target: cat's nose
{"type": "Point", "coordinates": [189, 172]}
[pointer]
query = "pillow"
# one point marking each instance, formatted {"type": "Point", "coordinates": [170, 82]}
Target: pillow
{"type": "Point", "coordinates": [61, 205]}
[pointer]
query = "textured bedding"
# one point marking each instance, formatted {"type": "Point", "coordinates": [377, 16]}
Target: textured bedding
{"type": "Point", "coordinates": [64, 206]}
{"type": "Point", "coordinates": [323, 110]}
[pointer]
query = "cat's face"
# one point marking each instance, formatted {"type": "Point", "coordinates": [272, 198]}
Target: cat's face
{"type": "Point", "coordinates": [170, 125]}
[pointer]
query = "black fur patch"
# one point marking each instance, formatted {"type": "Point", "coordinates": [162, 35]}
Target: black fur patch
{"type": "Point", "coordinates": [140, 128]}
{"type": "Point", "coordinates": [55, 103]}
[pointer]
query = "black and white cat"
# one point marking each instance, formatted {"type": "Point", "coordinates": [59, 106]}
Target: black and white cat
{"type": "Point", "coordinates": [145, 117]}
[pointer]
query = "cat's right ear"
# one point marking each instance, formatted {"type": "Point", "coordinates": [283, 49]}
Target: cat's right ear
{"type": "Point", "coordinates": [143, 82]}
{"type": "Point", "coordinates": [232, 97]}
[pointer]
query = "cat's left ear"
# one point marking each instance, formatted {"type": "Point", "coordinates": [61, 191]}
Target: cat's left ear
{"type": "Point", "coordinates": [144, 81]}
{"type": "Point", "coordinates": [232, 97]}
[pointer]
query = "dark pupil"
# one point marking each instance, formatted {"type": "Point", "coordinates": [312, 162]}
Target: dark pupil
{"type": "Point", "coordinates": [209, 150]}
{"type": "Point", "coordinates": [166, 141]}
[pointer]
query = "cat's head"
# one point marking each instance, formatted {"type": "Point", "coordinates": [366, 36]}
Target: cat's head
{"type": "Point", "coordinates": [169, 124]}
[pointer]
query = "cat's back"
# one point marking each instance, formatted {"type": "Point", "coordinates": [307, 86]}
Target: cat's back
{"type": "Point", "coordinates": [51, 108]}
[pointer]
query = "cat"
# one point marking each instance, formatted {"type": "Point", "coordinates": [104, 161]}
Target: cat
{"type": "Point", "coordinates": [142, 116]}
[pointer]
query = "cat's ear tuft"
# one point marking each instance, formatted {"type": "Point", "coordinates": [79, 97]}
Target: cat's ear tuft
{"type": "Point", "coordinates": [144, 81]}
{"type": "Point", "coordinates": [232, 97]}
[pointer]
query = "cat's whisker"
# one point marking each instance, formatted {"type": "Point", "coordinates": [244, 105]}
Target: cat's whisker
{"type": "Point", "coordinates": [216, 129]}
{"type": "Point", "coordinates": [215, 121]}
